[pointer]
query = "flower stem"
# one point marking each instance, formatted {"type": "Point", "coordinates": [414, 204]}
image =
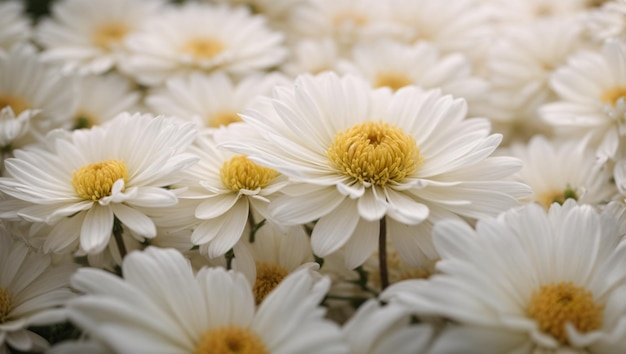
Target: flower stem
{"type": "Point", "coordinates": [382, 254]}
{"type": "Point", "coordinates": [118, 230]}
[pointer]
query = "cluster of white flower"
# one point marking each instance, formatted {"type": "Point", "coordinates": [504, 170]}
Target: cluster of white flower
{"type": "Point", "coordinates": [313, 176]}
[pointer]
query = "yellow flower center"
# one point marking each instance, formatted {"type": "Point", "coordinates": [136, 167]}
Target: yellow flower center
{"type": "Point", "coordinates": [613, 95]}
{"type": "Point", "coordinates": [6, 302]}
{"type": "Point", "coordinates": [392, 80]}
{"type": "Point", "coordinates": [95, 181]}
{"type": "Point", "coordinates": [554, 305]}
{"type": "Point", "coordinates": [83, 120]}
{"type": "Point", "coordinates": [557, 197]}
{"type": "Point", "coordinates": [268, 276]}
{"type": "Point", "coordinates": [223, 119]}
{"type": "Point", "coordinates": [203, 48]}
{"type": "Point", "coordinates": [17, 104]}
{"type": "Point", "coordinates": [109, 34]}
{"type": "Point", "coordinates": [375, 152]}
{"type": "Point", "coordinates": [397, 269]}
{"type": "Point", "coordinates": [240, 173]}
{"type": "Point", "coordinates": [231, 340]}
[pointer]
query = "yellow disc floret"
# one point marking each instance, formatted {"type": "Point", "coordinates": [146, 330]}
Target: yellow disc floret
{"type": "Point", "coordinates": [230, 340]}
{"type": "Point", "coordinates": [375, 152]}
{"type": "Point", "coordinates": [17, 104]}
{"type": "Point", "coordinates": [268, 276]}
{"type": "Point", "coordinates": [6, 303]}
{"type": "Point", "coordinates": [554, 305]}
{"type": "Point", "coordinates": [203, 48]}
{"type": "Point", "coordinates": [223, 119]}
{"type": "Point", "coordinates": [109, 34]}
{"type": "Point", "coordinates": [392, 80]}
{"type": "Point", "coordinates": [559, 197]}
{"type": "Point", "coordinates": [95, 181]}
{"type": "Point", "coordinates": [240, 173]}
{"type": "Point", "coordinates": [613, 95]}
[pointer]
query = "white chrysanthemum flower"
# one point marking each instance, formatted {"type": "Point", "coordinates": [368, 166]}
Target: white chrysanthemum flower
{"type": "Point", "coordinates": [161, 307]}
{"type": "Point", "coordinates": [227, 189]}
{"type": "Point", "coordinates": [14, 25]}
{"type": "Point", "coordinates": [37, 95]}
{"type": "Point", "coordinates": [274, 253]}
{"type": "Point", "coordinates": [84, 182]}
{"type": "Point", "coordinates": [101, 98]}
{"type": "Point", "coordinates": [347, 22]}
{"type": "Point", "coordinates": [385, 329]}
{"type": "Point", "coordinates": [528, 281]}
{"type": "Point", "coordinates": [211, 100]}
{"type": "Point", "coordinates": [592, 96]}
{"type": "Point", "coordinates": [561, 170]}
{"type": "Point", "coordinates": [452, 26]}
{"type": "Point", "coordinates": [87, 36]}
{"type": "Point", "coordinates": [311, 56]}
{"type": "Point", "coordinates": [197, 37]}
{"type": "Point", "coordinates": [519, 67]}
{"type": "Point", "coordinates": [363, 157]}
{"type": "Point", "coordinates": [31, 290]}
{"type": "Point", "coordinates": [395, 65]}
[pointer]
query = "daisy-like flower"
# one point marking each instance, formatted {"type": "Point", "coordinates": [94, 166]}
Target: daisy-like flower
{"type": "Point", "coordinates": [561, 170]}
{"type": "Point", "coordinates": [519, 67]}
{"type": "Point", "coordinates": [161, 307]}
{"type": "Point", "coordinates": [38, 97]}
{"type": "Point", "coordinates": [274, 253]}
{"type": "Point", "coordinates": [211, 100]}
{"type": "Point", "coordinates": [14, 25]}
{"type": "Point", "coordinates": [592, 96]}
{"type": "Point", "coordinates": [526, 281]}
{"type": "Point", "coordinates": [201, 37]}
{"type": "Point", "coordinates": [385, 329]}
{"type": "Point", "coordinates": [227, 188]}
{"type": "Point", "coordinates": [395, 65]}
{"type": "Point", "coordinates": [100, 98]}
{"type": "Point", "coordinates": [31, 290]}
{"type": "Point", "coordinates": [94, 181]}
{"type": "Point", "coordinates": [367, 161]}
{"type": "Point", "coordinates": [459, 26]}
{"type": "Point", "coordinates": [87, 36]}
{"type": "Point", "coordinates": [609, 21]}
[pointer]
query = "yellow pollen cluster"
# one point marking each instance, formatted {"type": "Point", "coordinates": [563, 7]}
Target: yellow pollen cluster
{"type": "Point", "coordinates": [95, 181]}
{"type": "Point", "coordinates": [554, 305]}
{"type": "Point", "coordinates": [230, 340]}
{"type": "Point", "coordinates": [613, 95]}
{"type": "Point", "coordinates": [223, 119]}
{"type": "Point", "coordinates": [375, 152]}
{"type": "Point", "coordinates": [109, 34]}
{"type": "Point", "coordinates": [240, 173]}
{"type": "Point", "coordinates": [5, 304]}
{"type": "Point", "coordinates": [203, 48]}
{"type": "Point", "coordinates": [17, 104]}
{"type": "Point", "coordinates": [557, 197]}
{"type": "Point", "coordinates": [268, 276]}
{"type": "Point", "coordinates": [394, 81]}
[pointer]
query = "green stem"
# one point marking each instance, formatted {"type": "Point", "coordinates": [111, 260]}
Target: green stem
{"type": "Point", "coordinates": [118, 231]}
{"type": "Point", "coordinates": [229, 259]}
{"type": "Point", "coordinates": [382, 254]}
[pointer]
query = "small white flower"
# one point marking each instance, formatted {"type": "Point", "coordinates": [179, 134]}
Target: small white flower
{"type": "Point", "coordinates": [83, 182]}
{"type": "Point", "coordinates": [161, 307]}
{"type": "Point", "coordinates": [201, 37]}
{"type": "Point", "coordinates": [561, 170]}
{"type": "Point", "coordinates": [527, 281]}
{"type": "Point", "coordinates": [87, 36]}
{"type": "Point", "coordinates": [31, 290]}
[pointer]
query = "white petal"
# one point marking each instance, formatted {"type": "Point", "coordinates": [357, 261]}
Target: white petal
{"type": "Point", "coordinates": [135, 220]}
{"type": "Point", "coordinates": [332, 231]}
{"type": "Point", "coordinates": [96, 229]}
